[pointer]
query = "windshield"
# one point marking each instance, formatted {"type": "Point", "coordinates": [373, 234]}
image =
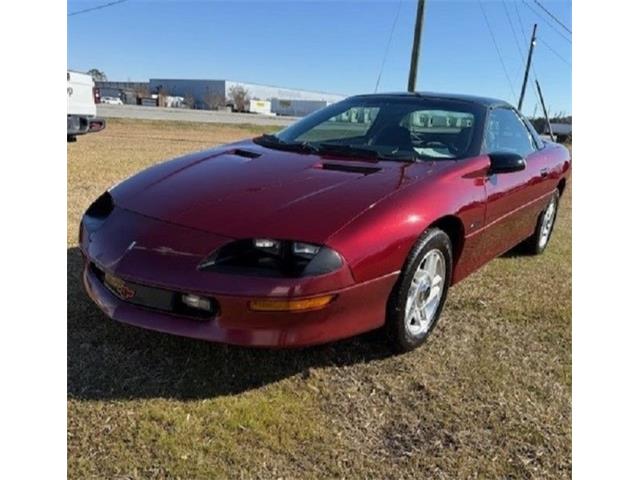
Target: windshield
{"type": "Point", "coordinates": [402, 128]}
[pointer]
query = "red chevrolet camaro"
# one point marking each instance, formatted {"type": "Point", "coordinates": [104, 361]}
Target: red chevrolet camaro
{"type": "Point", "coordinates": [357, 217]}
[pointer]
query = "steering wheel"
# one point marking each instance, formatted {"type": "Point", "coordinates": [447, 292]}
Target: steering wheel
{"type": "Point", "coordinates": [437, 144]}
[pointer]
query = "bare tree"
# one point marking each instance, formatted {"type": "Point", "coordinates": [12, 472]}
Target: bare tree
{"type": "Point", "coordinates": [141, 91]}
{"type": "Point", "coordinates": [213, 100]}
{"type": "Point", "coordinates": [162, 96]}
{"type": "Point", "coordinates": [239, 98]}
{"type": "Point", "coordinates": [97, 75]}
{"type": "Point", "coordinates": [189, 101]}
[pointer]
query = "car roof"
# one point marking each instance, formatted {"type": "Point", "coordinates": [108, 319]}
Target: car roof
{"type": "Point", "coordinates": [484, 101]}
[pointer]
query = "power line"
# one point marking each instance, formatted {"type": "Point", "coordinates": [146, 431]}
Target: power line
{"type": "Point", "coordinates": [552, 16]}
{"type": "Point", "coordinates": [547, 21]}
{"type": "Point", "coordinates": [555, 52]}
{"type": "Point", "coordinates": [386, 51]}
{"type": "Point", "coordinates": [533, 64]}
{"type": "Point", "coordinates": [495, 44]}
{"type": "Point", "coordinates": [516, 38]}
{"type": "Point", "coordinates": [513, 31]}
{"type": "Point", "coordinates": [524, 36]}
{"type": "Point", "coordinates": [99, 7]}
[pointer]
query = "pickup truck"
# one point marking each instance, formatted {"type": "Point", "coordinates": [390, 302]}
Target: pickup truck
{"type": "Point", "coordinates": [82, 97]}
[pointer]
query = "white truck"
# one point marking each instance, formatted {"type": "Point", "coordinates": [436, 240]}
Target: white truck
{"type": "Point", "coordinates": [81, 106]}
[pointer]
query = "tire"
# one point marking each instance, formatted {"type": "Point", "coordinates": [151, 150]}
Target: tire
{"type": "Point", "coordinates": [537, 243]}
{"type": "Point", "coordinates": [408, 328]}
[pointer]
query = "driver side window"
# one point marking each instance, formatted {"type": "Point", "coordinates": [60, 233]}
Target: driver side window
{"type": "Point", "coordinates": [507, 133]}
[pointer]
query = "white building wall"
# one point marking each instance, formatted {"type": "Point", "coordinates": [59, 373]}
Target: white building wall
{"type": "Point", "coordinates": [266, 92]}
{"type": "Point", "coordinates": [305, 100]}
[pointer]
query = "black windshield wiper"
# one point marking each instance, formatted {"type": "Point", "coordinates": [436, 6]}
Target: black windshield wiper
{"type": "Point", "coordinates": [268, 139]}
{"type": "Point", "coordinates": [350, 150]}
{"type": "Point", "coordinates": [272, 141]}
{"type": "Point", "coordinates": [366, 152]}
{"type": "Point", "coordinates": [401, 158]}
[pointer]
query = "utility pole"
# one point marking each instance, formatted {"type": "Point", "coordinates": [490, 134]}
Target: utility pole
{"type": "Point", "coordinates": [526, 71]}
{"type": "Point", "coordinates": [415, 53]}
{"type": "Point", "coordinates": [544, 109]}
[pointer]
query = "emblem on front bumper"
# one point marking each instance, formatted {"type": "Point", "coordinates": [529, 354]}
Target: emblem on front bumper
{"type": "Point", "coordinates": [119, 287]}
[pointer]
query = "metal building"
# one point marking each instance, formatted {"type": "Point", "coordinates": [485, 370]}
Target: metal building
{"type": "Point", "coordinates": [206, 93]}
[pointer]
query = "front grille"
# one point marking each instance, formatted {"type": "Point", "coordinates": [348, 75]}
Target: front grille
{"type": "Point", "coordinates": [150, 297]}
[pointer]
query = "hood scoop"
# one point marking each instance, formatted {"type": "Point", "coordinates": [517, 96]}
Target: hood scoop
{"type": "Point", "coordinates": [244, 153]}
{"type": "Point", "coordinates": [340, 167]}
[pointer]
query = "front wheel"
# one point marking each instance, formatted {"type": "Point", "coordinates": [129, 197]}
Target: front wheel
{"type": "Point", "coordinates": [419, 295]}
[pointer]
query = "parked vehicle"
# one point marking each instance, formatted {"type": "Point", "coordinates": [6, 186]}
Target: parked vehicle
{"type": "Point", "coordinates": [82, 97]}
{"type": "Point", "coordinates": [262, 107]}
{"type": "Point", "coordinates": [111, 100]}
{"type": "Point", "coordinates": [359, 216]}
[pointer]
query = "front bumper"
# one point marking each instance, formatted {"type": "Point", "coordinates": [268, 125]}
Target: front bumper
{"type": "Point", "coordinates": [159, 255]}
{"type": "Point", "coordinates": [355, 310]}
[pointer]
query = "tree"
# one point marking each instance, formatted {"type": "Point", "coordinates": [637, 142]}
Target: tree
{"type": "Point", "coordinates": [213, 100]}
{"type": "Point", "coordinates": [141, 91]}
{"type": "Point", "coordinates": [189, 101]}
{"type": "Point", "coordinates": [239, 98]}
{"type": "Point", "coordinates": [162, 96]}
{"type": "Point", "coordinates": [97, 75]}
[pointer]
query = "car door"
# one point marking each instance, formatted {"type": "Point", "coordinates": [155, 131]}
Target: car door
{"type": "Point", "coordinates": [512, 205]}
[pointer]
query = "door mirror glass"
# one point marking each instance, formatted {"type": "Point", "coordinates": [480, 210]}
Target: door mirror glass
{"type": "Point", "coordinates": [506, 162]}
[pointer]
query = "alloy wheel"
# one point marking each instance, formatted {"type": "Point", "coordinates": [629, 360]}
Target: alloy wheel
{"type": "Point", "coordinates": [547, 223]}
{"type": "Point", "coordinates": [425, 293]}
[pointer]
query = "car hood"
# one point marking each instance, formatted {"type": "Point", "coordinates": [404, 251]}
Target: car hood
{"type": "Point", "coordinates": [244, 190]}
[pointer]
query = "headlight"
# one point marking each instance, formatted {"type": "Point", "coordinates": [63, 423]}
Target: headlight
{"type": "Point", "coordinates": [271, 257]}
{"type": "Point", "coordinates": [268, 245]}
{"type": "Point", "coordinates": [101, 207]}
{"type": "Point", "coordinates": [306, 250]}
{"type": "Point", "coordinates": [98, 212]}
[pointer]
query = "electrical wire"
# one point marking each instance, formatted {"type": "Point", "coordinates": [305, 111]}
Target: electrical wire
{"type": "Point", "coordinates": [524, 36]}
{"type": "Point", "coordinates": [546, 44]}
{"type": "Point", "coordinates": [495, 44]}
{"type": "Point", "coordinates": [547, 22]}
{"type": "Point", "coordinates": [513, 30]}
{"type": "Point", "coordinates": [522, 57]}
{"type": "Point", "coordinates": [535, 74]}
{"type": "Point", "coordinates": [386, 51]}
{"type": "Point", "coordinates": [99, 7]}
{"type": "Point", "coordinates": [552, 16]}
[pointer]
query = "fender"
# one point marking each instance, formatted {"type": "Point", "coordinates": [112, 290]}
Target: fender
{"type": "Point", "coordinates": [378, 241]}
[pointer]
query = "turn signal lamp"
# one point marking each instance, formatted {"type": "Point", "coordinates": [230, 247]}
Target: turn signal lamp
{"type": "Point", "coordinates": [283, 305]}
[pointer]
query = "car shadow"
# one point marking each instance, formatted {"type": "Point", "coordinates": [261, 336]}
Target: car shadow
{"type": "Point", "coordinates": [107, 360]}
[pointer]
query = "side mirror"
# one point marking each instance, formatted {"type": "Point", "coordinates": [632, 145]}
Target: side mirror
{"type": "Point", "coordinates": [506, 162]}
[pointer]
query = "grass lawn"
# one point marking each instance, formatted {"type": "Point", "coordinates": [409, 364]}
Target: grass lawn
{"type": "Point", "coordinates": [489, 396]}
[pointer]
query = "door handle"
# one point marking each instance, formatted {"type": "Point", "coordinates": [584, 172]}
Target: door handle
{"type": "Point", "coordinates": [544, 172]}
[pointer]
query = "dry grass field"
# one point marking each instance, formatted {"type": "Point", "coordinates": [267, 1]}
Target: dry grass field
{"type": "Point", "coordinates": [489, 396]}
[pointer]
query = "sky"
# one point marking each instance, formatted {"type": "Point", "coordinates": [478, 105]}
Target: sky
{"type": "Point", "coordinates": [331, 46]}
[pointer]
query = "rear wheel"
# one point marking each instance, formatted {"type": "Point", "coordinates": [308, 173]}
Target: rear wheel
{"type": "Point", "coordinates": [421, 290]}
{"type": "Point", "coordinates": [536, 243]}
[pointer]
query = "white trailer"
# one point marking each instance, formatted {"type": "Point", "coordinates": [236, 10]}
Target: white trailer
{"type": "Point", "coordinates": [295, 107]}
{"type": "Point", "coordinates": [260, 106]}
{"type": "Point", "coordinates": [81, 106]}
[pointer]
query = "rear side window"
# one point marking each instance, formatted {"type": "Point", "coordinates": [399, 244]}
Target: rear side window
{"type": "Point", "coordinates": [507, 133]}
